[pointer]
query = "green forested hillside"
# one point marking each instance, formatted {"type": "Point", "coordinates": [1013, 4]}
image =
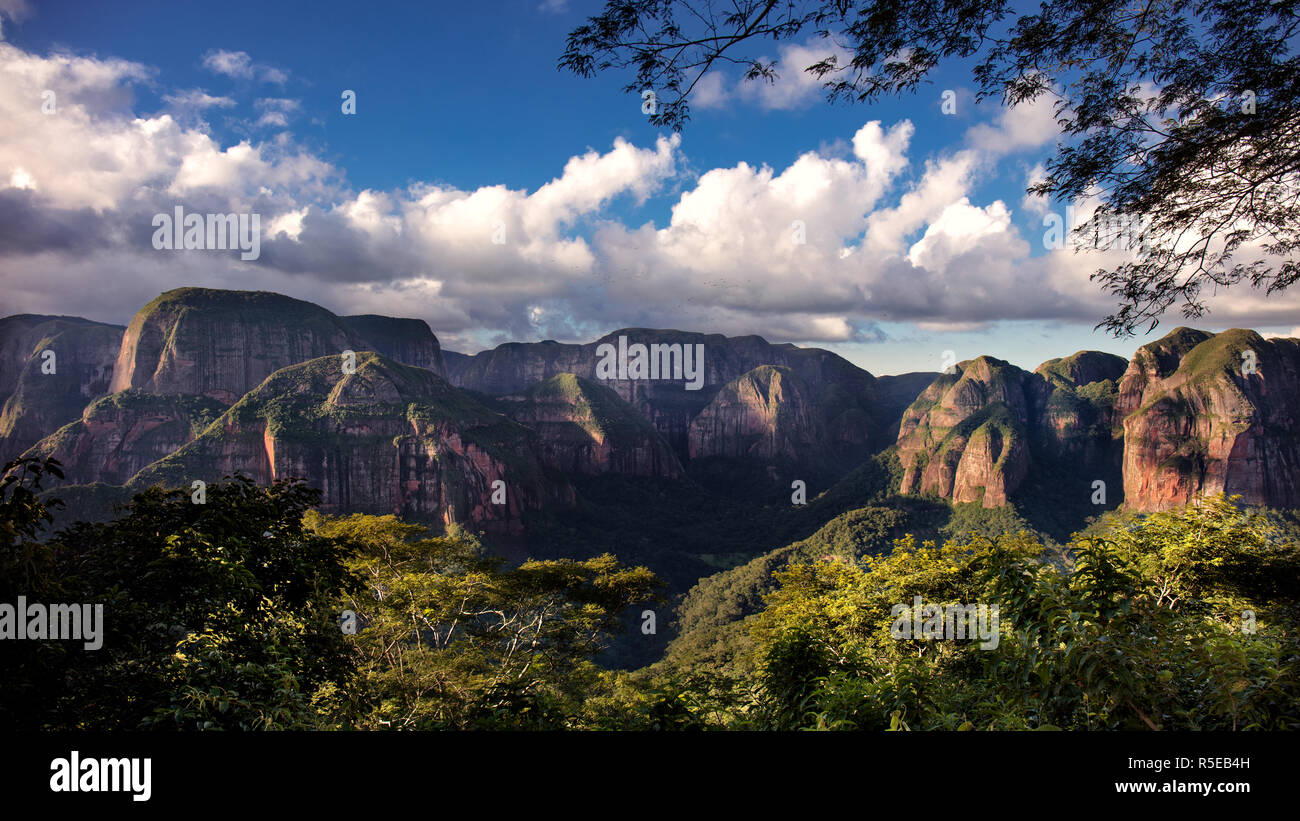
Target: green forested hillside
{"type": "Point", "coordinates": [254, 611]}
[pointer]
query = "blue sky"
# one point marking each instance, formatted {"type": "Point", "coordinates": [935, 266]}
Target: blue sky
{"type": "Point", "coordinates": [919, 237]}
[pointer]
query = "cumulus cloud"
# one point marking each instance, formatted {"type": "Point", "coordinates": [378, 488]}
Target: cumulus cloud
{"type": "Point", "coordinates": [235, 64]}
{"type": "Point", "coordinates": [1028, 125]}
{"type": "Point", "coordinates": [958, 227]}
{"type": "Point", "coordinates": [820, 249]}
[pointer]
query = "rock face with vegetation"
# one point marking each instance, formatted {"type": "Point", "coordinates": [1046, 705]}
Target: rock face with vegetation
{"type": "Point", "coordinates": [409, 341]}
{"type": "Point", "coordinates": [222, 344]}
{"type": "Point", "coordinates": [895, 394]}
{"type": "Point", "coordinates": [765, 414]}
{"type": "Point", "coordinates": [851, 409]}
{"type": "Point", "coordinates": [50, 368]}
{"type": "Point", "coordinates": [1076, 417]}
{"type": "Point", "coordinates": [1192, 413]}
{"type": "Point", "coordinates": [388, 438]}
{"type": "Point", "coordinates": [978, 433]}
{"type": "Point", "coordinates": [1207, 413]}
{"type": "Point", "coordinates": [585, 428]}
{"type": "Point", "coordinates": [119, 435]}
{"type": "Point", "coordinates": [966, 437]}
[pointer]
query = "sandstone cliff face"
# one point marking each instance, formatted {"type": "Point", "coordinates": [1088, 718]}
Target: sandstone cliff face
{"type": "Point", "coordinates": [513, 367]}
{"type": "Point", "coordinates": [119, 435]}
{"type": "Point", "coordinates": [1083, 368]}
{"type": "Point", "coordinates": [994, 461]}
{"type": "Point", "coordinates": [1199, 420]}
{"type": "Point", "coordinates": [895, 394]}
{"type": "Point", "coordinates": [388, 438]}
{"type": "Point", "coordinates": [37, 403]}
{"type": "Point", "coordinates": [408, 341]}
{"type": "Point", "coordinates": [1193, 413]}
{"type": "Point", "coordinates": [193, 345]}
{"type": "Point", "coordinates": [976, 435]}
{"type": "Point", "coordinates": [849, 394]}
{"type": "Point", "coordinates": [584, 428]}
{"type": "Point", "coordinates": [1181, 419]}
{"type": "Point", "coordinates": [222, 344]}
{"type": "Point", "coordinates": [765, 414]}
{"type": "Point", "coordinates": [966, 437]}
{"type": "Point", "coordinates": [1154, 362]}
{"type": "Point", "coordinates": [1076, 415]}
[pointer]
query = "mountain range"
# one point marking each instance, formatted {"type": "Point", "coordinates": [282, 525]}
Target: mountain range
{"type": "Point", "coordinates": [371, 410]}
{"type": "Point", "coordinates": [527, 445]}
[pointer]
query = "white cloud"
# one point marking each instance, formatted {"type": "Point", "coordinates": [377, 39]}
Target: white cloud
{"type": "Point", "coordinates": [274, 75]}
{"type": "Point", "coordinates": [794, 87]}
{"type": "Point", "coordinates": [288, 224]}
{"type": "Point", "coordinates": [785, 225]}
{"type": "Point", "coordinates": [275, 111]}
{"type": "Point", "coordinates": [816, 249]}
{"type": "Point", "coordinates": [710, 91]}
{"type": "Point", "coordinates": [21, 179]}
{"type": "Point", "coordinates": [1028, 125]}
{"type": "Point", "coordinates": [91, 152]}
{"type": "Point", "coordinates": [951, 327]}
{"type": "Point", "coordinates": [1035, 203]}
{"type": "Point", "coordinates": [239, 65]}
{"type": "Point", "coordinates": [196, 99]}
{"type": "Point", "coordinates": [236, 64]}
{"type": "Point", "coordinates": [957, 228]}
{"type": "Point", "coordinates": [944, 182]}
